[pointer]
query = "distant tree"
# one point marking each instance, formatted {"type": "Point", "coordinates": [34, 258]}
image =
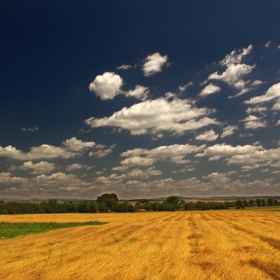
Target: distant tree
{"type": "Point", "coordinates": [270, 201]}
{"type": "Point", "coordinates": [172, 200]}
{"type": "Point", "coordinates": [53, 201]}
{"type": "Point", "coordinates": [84, 207]}
{"type": "Point", "coordinates": [189, 206]}
{"type": "Point", "coordinates": [252, 202]}
{"type": "Point", "coordinates": [181, 203]}
{"type": "Point", "coordinates": [259, 202]}
{"type": "Point", "coordinates": [123, 207]}
{"type": "Point", "coordinates": [72, 207]}
{"type": "Point", "coordinates": [108, 199]}
{"type": "Point", "coordinates": [102, 207]}
{"type": "Point", "coordinates": [143, 200]}
{"type": "Point", "coordinates": [239, 204]}
{"type": "Point", "coordinates": [245, 202]}
{"type": "Point", "coordinates": [93, 206]}
{"type": "Point", "coordinates": [3, 209]}
{"type": "Point", "coordinates": [264, 202]}
{"type": "Point", "coordinates": [156, 206]}
{"type": "Point", "coordinates": [13, 208]}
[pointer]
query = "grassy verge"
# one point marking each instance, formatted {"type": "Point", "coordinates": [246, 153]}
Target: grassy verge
{"type": "Point", "coordinates": [10, 230]}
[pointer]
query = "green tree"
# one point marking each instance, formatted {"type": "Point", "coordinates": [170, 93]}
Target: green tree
{"type": "Point", "coordinates": [270, 201]}
{"type": "Point", "coordinates": [108, 199]}
{"type": "Point", "coordinates": [84, 207]}
{"type": "Point", "coordinates": [102, 207]}
{"type": "Point", "coordinates": [259, 202]}
{"type": "Point", "coordinates": [72, 207]}
{"type": "Point", "coordinates": [172, 200]}
{"type": "Point", "coordinates": [264, 202]}
{"type": "Point", "coordinates": [3, 209]}
{"type": "Point", "coordinates": [189, 206]}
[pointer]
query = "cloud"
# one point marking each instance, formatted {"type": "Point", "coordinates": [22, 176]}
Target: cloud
{"type": "Point", "coordinates": [153, 116]}
{"type": "Point", "coordinates": [257, 109]}
{"type": "Point", "coordinates": [220, 179]}
{"type": "Point", "coordinates": [235, 70]}
{"type": "Point", "coordinates": [207, 136]}
{"type": "Point", "coordinates": [102, 152]}
{"type": "Point", "coordinates": [144, 174]}
{"type": "Point", "coordinates": [255, 157]}
{"type": "Point", "coordinates": [236, 56]}
{"type": "Point", "coordinates": [182, 88]}
{"type": "Point", "coordinates": [175, 153]}
{"type": "Point", "coordinates": [38, 168]}
{"type": "Point", "coordinates": [77, 166]}
{"type": "Point", "coordinates": [246, 135]}
{"type": "Point", "coordinates": [253, 122]}
{"type": "Point", "coordinates": [132, 161]}
{"type": "Point", "coordinates": [272, 92]}
{"type": "Point", "coordinates": [157, 137]}
{"type": "Point", "coordinates": [138, 92]}
{"type": "Point", "coordinates": [234, 76]}
{"type": "Point", "coordinates": [169, 95]}
{"type": "Point", "coordinates": [153, 63]}
{"type": "Point", "coordinates": [229, 130]}
{"type": "Point", "coordinates": [29, 129]}
{"type": "Point", "coordinates": [7, 178]}
{"type": "Point", "coordinates": [121, 168]}
{"type": "Point", "coordinates": [124, 67]}
{"type": "Point", "coordinates": [209, 89]}
{"type": "Point", "coordinates": [58, 180]}
{"type": "Point", "coordinates": [43, 151]}
{"type": "Point", "coordinates": [70, 148]}
{"type": "Point", "coordinates": [76, 145]}
{"type": "Point", "coordinates": [106, 86]}
{"type": "Point", "coordinates": [268, 44]}
{"type": "Point", "coordinates": [183, 170]}
{"type": "Point", "coordinates": [256, 83]}
{"type": "Point", "coordinates": [276, 105]}
{"type": "Point", "coordinates": [224, 150]}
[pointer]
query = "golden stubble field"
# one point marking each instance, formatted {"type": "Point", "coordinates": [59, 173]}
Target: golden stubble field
{"type": "Point", "coordinates": [163, 245]}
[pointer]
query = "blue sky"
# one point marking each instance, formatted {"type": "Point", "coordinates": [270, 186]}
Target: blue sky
{"type": "Point", "coordinates": [140, 98]}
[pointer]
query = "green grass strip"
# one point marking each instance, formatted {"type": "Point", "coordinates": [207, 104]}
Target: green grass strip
{"type": "Point", "coordinates": [10, 230]}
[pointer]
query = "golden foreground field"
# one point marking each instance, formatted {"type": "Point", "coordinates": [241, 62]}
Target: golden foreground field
{"type": "Point", "coordinates": [161, 245]}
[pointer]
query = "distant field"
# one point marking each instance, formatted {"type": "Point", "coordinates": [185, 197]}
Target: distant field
{"type": "Point", "coordinates": [226, 244]}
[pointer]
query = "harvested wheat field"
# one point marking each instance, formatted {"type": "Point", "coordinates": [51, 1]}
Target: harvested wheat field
{"type": "Point", "coordinates": [163, 245]}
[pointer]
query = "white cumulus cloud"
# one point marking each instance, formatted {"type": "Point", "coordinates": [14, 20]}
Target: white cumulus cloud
{"type": "Point", "coordinates": [153, 116]}
{"type": "Point", "coordinates": [209, 89]}
{"type": "Point", "coordinates": [175, 153]}
{"type": "Point", "coordinates": [77, 145]}
{"type": "Point", "coordinates": [229, 130]}
{"type": "Point", "coordinates": [253, 122]}
{"type": "Point", "coordinates": [139, 92]}
{"type": "Point", "coordinates": [153, 63]}
{"type": "Point", "coordinates": [124, 67]}
{"type": "Point", "coordinates": [38, 168]}
{"type": "Point", "coordinates": [70, 148]}
{"type": "Point", "coordinates": [224, 150]}
{"type": "Point", "coordinates": [272, 92]}
{"type": "Point", "coordinates": [77, 166]}
{"type": "Point", "coordinates": [234, 76]}
{"type": "Point", "coordinates": [236, 56]}
{"type": "Point", "coordinates": [106, 86]}
{"type": "Point", "coordinates": [276, 105]}
{"type": "Point", "coordinates": [207, 136]}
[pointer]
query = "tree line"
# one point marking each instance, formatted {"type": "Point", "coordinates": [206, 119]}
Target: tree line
{"type": "Point", "coordinates": [110, 203]}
